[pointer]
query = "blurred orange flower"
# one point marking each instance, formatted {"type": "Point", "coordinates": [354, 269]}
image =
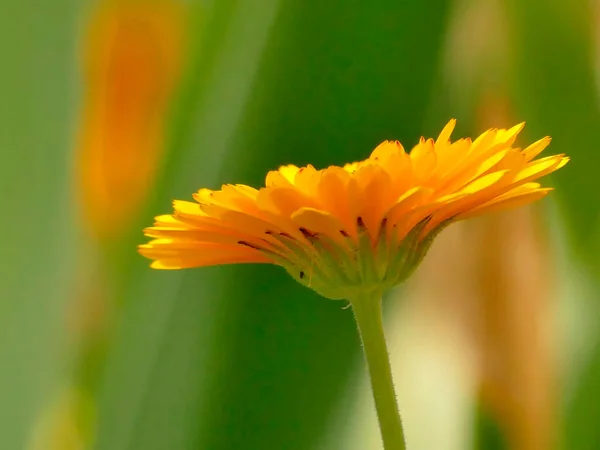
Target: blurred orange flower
{"type": "Point", "coordinates": [515, 326]}
{"type": "Point", "coordinates": [364, 227]}
{"type": "Point", "coordinates": [132, 61]}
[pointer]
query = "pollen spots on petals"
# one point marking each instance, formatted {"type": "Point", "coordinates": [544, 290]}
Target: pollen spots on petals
{"type": "Point", "coordinates": [216, 235]}
{"type": "Point", "coordinates": [356, 202]}
{"type": "Point", "coordinates": [319, 222]}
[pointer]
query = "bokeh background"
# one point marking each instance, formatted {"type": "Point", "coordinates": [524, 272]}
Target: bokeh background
{"type": "Point", "coordinates": [111, 108]}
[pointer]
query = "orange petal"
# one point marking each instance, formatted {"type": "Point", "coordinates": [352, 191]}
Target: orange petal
{"type": "Point", "coordinates": [177, 255]}
{"type": "Point", "coordinates": [333, 192]}
{"type": "Point", "coordinates": [541, 167]}
{"type": "Point", "coordinates": [283, 201]}
{"type": "Point", "coordinates": [379, 197]}
{"type": "Point", "coordinates": [320, 222]}
{"type": "Point", "coordinates": [506, 203]}
{"type": "Point", "coordinates": [284, 176]}
{"type": "Point", "coordinates": [536, 148]}
{"type": "Point", "coordinates": [446, 132]}
{"type": "Point", "coordinates": [508, 137]}
{"type": "Point", "coordinates": [424, 159]}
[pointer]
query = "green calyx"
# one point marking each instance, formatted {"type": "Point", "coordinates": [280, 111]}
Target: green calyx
{"type": "Point", "coordinates": [345, 268]}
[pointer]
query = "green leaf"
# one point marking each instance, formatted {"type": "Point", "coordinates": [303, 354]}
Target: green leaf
{"type": "Point", "coordinates": [36, 233]}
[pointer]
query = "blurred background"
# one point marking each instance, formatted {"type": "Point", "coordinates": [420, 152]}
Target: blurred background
{"type": "Point", "coordinates": [111, 108]}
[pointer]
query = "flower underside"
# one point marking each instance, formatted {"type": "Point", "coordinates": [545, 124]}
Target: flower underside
{"type": "Point", "coordinates": [363, 227]}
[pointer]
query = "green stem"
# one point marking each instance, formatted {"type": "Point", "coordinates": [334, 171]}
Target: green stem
{"type": "Point", "coordinates": [368, 313]}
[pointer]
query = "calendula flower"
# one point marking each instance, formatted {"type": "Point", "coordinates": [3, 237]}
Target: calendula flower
{"type": "Point", "coordinates": [352, 232]}
{"type": "Point", "coordinates": [361, 228]}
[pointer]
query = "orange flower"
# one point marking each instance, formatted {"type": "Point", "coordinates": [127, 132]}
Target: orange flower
{"type": "Point", "coordinates": [364, 227]}
{"type": "Point", "coordinates": [132, 62]}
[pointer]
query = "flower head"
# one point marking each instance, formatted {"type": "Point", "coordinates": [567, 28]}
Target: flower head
{"type": "Point", "coordinates": [345, 231]}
